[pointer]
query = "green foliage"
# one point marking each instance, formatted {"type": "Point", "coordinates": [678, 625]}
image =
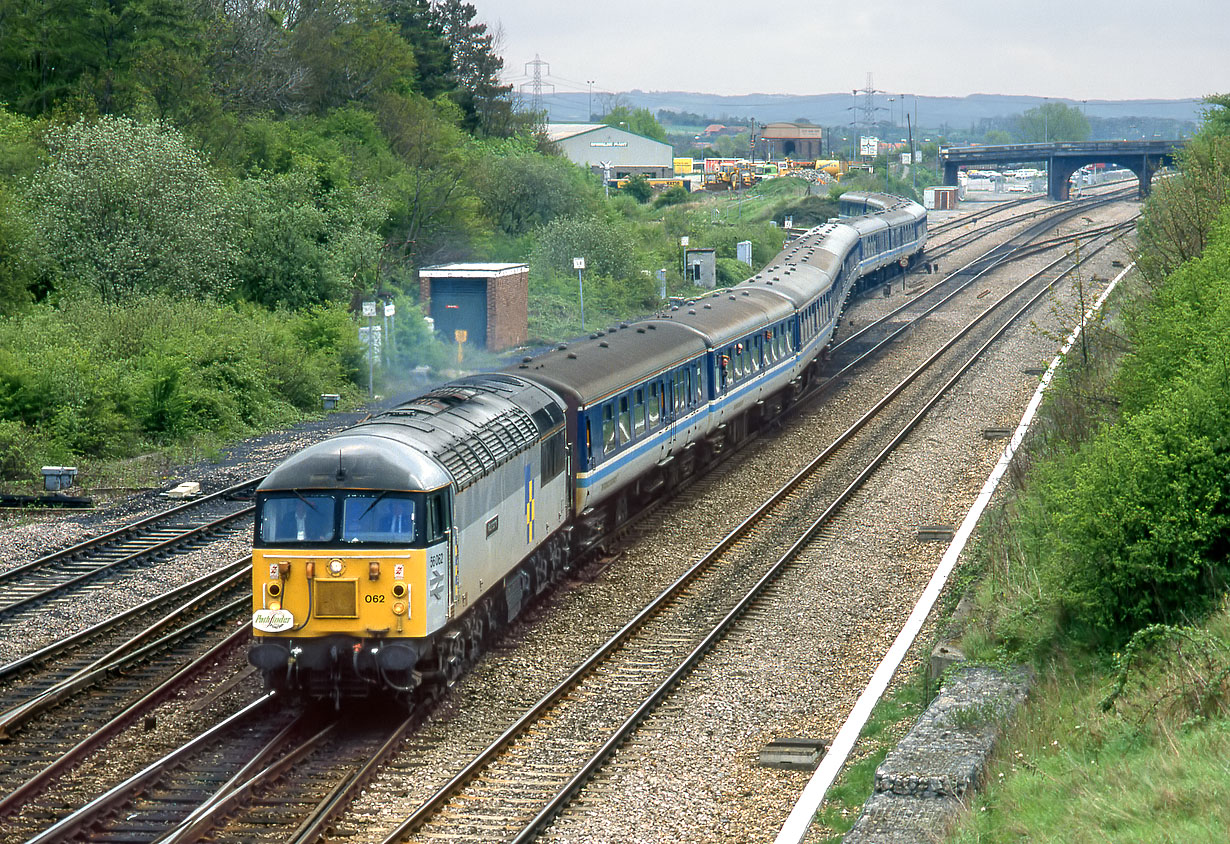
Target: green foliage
{"type": "Point", "coordinates": [306, 244]}
{"type": "Point", "coordinates": [606, 246]}
{"type": "Point", "coordinates": [1052, 122]}
{"type": "Point", "coordinates": [351, 53]}
{"type": "Point", "coordinates": [432, 205]}
{"type": "Point", "coordinates": [17, 269]}
{"type": "Point", "coordinates": [1182, 210]}
{"type": "Point", "coordinates": [638, 120]}
{"type": "Point", "coordinates": [20, 152]}
{"type": "Point", "coordinates": [1217, 115]}
{"type": "Point", "coordinates": [1069, 773]}
{"type": "Point", "coordinates": [125, 207]}
{"type": "Point", "coordinates": [1179, 675]}
{"type": "Point", "coordinates": [521, 189]}
{"type": "Point", "coordinates": [671, 196]}
{"type": "Point", "coordinates": [1135, 524]}
{"type": "Point", "coordinates": [90, 379]}
{"type": "Point", "coordinates": [638, 188]}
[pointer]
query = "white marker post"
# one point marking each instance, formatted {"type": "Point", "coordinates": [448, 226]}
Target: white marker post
{"type": "Point", "coordinates": [578, 264]}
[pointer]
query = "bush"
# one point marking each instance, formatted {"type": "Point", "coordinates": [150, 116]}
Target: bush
{"type": "Point", "coordinates": [638, 188]}
{"type": "Point", "coordinates": [128, 208]}
{"type": "Point", "coordinates": [107, 381]}
{"type": "Point", "coordinates": [671, 196]}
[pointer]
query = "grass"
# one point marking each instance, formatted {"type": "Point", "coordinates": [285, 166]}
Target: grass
{"type": "Point", "coordinates": [890, 720]}
{"type": "Point", "coordinates": [1069, 772]}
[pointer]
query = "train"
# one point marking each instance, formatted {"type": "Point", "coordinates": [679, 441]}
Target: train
{"type": "Point", "coordinates": [386, 556]}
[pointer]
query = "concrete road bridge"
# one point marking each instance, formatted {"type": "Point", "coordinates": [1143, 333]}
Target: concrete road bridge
{"type": "Point", "coordinates": [1063, 159]}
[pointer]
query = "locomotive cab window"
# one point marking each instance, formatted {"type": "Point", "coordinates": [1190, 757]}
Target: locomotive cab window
{"type": "Point", "coordinates": [552, 456]}
{"type": "Point", "coordinates": [290, 519]}
{"type": "Point", "coordinates": [436, 523]}
{"type": "Point", "coordinates": [379, 517]}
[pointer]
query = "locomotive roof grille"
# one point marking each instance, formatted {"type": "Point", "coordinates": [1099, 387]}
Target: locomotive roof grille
{"type": "Point", "coordinates": [472, 436]}
{"type": "Point", "coordinates": [489, 447]}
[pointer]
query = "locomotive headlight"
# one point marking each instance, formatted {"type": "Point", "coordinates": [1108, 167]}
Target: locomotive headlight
{"type": "Point", "coordinates": [275, 605]}
{"type": "Point", "coordinates": [336, 568]}
{"type": "Point", "coordinates": [274, 589]}
{"type": "Point", "coordinates": [398, 608]}
{"type": "Point", "coordinates": [399, 590]}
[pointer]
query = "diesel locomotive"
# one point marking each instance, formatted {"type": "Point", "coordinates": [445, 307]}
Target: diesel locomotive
{"type": "Point", "coordinates": [385, 557]}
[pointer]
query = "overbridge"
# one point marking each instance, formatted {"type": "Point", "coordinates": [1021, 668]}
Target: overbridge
{"type": "Point", "coordinates": [1063, 159]}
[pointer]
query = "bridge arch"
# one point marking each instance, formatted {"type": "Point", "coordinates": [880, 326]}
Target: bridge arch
{"type": "Point", "coordinates": [1063, 159]}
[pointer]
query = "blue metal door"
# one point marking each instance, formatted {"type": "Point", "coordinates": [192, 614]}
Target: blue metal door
{"type": "Point", "coordinates": [460, 304]}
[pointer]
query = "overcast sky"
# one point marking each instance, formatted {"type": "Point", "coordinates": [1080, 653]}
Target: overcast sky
{"type": "Point", "coordinates": [1076, 49]}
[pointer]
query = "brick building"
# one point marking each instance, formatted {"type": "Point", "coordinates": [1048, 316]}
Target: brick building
{"type": "Point", "coordinates": [485, 306]}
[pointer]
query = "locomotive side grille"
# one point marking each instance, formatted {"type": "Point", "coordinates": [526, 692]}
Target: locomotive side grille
{"type": "Point", "coordinates": [337, 599]}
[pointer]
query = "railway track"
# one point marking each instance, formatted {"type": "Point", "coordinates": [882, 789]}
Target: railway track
{"type": "Point", "coordinates": [513, 788]}
{"type": "Point", "coordinates": [85, 692]}
{"type": "Point", "coordinates": [313, 813]}
{"type": "Point", "coordinates": [42, 585]}
{"type": "Point", "coordinates": [1063, 210]}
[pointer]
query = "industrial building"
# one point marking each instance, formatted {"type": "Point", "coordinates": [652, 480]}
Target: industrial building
{"type": "Point", "coordinates": [629, 154]}
{"type": "Point", "coordinates": [799, 141]}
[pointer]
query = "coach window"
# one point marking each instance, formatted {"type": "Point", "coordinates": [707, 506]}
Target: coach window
{"type": "Point", "coordinates": [756, 352]}
{"type": "Point", "coordinates": [698, 387]}
{"type": "Point", "coordinates": [655, 405]}
{"type": "Point", "coordinates": [737, 359]}
{"type": "Point", "coordinates": [680, 395]}
{"type": "Point", "coordinates": [625, 420]}
{"type": "Point", "coordinates": [608, 428]}
{"type": "Point", "coordinates": [638, 411]}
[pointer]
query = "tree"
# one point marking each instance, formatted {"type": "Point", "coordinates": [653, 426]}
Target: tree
{"type": "Point", "coordinates": [521, 189]}
{"type": "Point", "coordinates": [639, 120]}
{"type": "Point", "coordinates": [251, 59]}
{"type": "Point", "coordinates": [424, 32]}
{"type": "Point", "coordinates": [125, 207]}
{"type": "Point", "coordinates": [638, 188]}
{"type": "Point", "coordinates": [607, 247]}
{"type": "Point", "coordinates": [351, 54]}
{"type": "Point", "coordinates": [105, 57]}
{"type": "Point", "coordinates": [476, 65]}
{"type": "Point", "coordinates": [1217, 114]}
{"type": "Point", "coordinates": [306, 243]}
{"type": "Point", "coordinates": [1052, 122]}
{"type": "Point", "coordinates": [1181, 211]}
{"type": "Point", "coordinates": [430, 198]}
{"type": "Point", "coordinates": [17, 271]}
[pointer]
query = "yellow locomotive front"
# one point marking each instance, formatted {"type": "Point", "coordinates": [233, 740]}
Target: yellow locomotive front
{"type": "Point", "coordinates": [349, 582]}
